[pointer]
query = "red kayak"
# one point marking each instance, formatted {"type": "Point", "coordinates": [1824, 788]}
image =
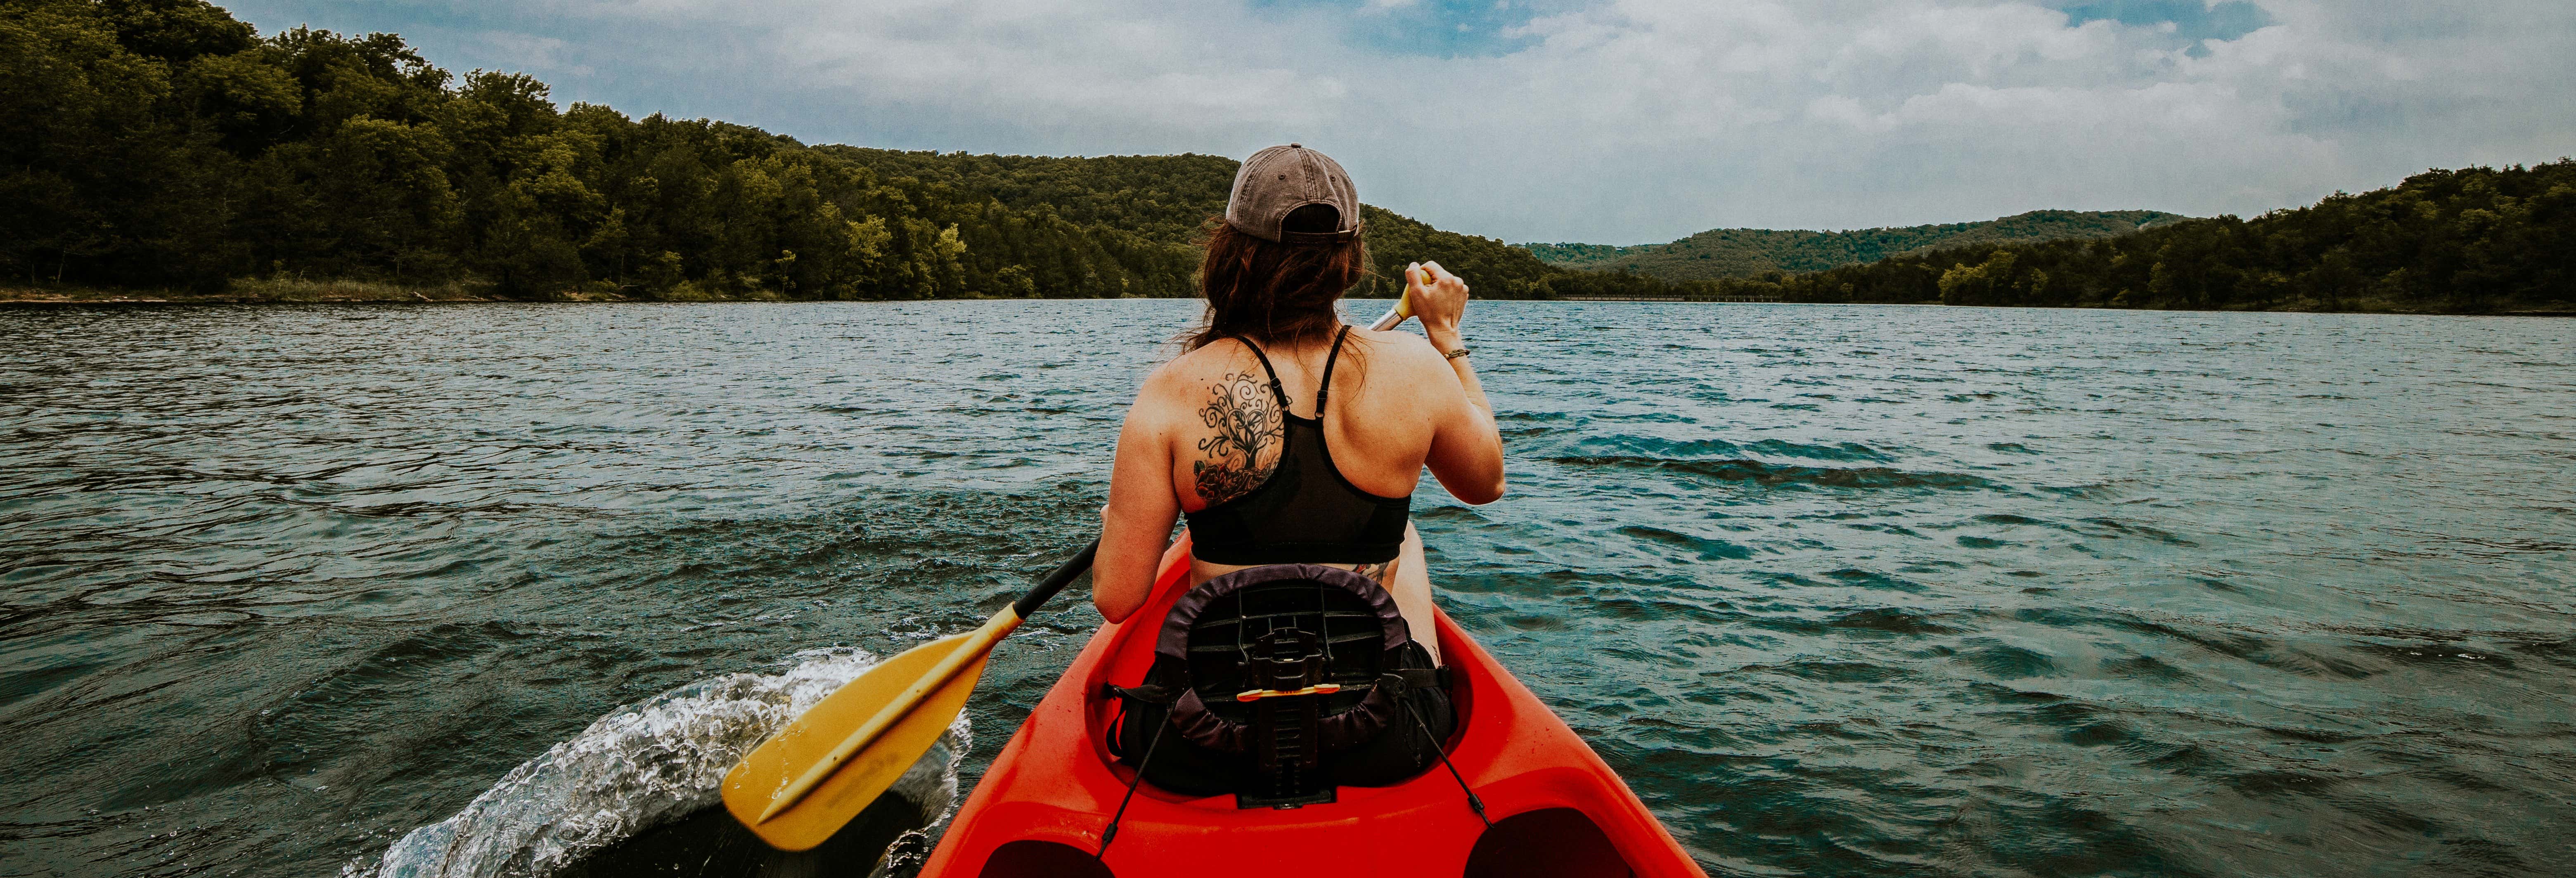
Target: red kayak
{"type": "Point", "coordinates": [1556, 809]}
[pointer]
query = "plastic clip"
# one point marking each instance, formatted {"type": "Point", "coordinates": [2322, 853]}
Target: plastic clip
{"type": "Point", "coordinates": [1258, 694]}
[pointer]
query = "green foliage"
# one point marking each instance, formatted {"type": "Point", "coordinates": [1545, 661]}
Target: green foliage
{"type": "Point", "coordinates": [161, 143]}
{"type": "Point", "coordinates": [1147, 213]}
{"type": "Point", "coordinates": [1494, 269]}
{"type": "Point", "coordinates": [93, 163]}
{"type": "Point", "coordinates": [2465, 241]}
{"type": "Point", "coordinates": [1166, 199]}
{"type": "Point", "coordinates": [1720, 254]}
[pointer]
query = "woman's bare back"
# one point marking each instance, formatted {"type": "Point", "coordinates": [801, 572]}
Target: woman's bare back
{"type": "Point", "coordinates": [1225, 427]}
{"type": "Point", "coordinates": [1206, 428]}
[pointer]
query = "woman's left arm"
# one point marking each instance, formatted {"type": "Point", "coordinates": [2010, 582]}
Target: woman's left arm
{"type": "Point", "coordinates": [1137, 523]}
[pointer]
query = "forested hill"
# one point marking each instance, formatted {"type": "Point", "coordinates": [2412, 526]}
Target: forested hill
{"type": "Point", "coordinates": [161, 143]}
{"type": "Point", "coordinates": [1165, 198]}
{"type": "Point", "coordinates": [1168, 200]}
{"type": "Point", "coordinates": [164, 144]}
{"type": "Point", "coordinates": [2471, 240]}
{"type": "Point", "coordinates": [1743, 253]}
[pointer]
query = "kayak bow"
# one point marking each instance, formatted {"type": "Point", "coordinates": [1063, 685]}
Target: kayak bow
{"type": "Point", "coordinates": [1557, 810]}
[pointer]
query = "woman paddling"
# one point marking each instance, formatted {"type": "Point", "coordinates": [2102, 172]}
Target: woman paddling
{"type": "Point", "coordinates": [1285, 715]}
{"type": "Point", "coordinates": [1260, 688]}
{"type": "Point", "coordinates": [1284, 435]}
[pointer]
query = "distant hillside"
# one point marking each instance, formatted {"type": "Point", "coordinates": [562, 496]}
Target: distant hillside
{"type": "Point", "coordinates": [166, 145]}
{"type": "Point", "coordinates": [1168, 199]}
{"type": "Point", "coordinates": [169, 145]}
{"type": "Point", "coordinates": [1162, 198]}
{"type": "Point", "coordinates": [2471, 240]}
{"type": "Point", "coordinates": [1720, 254]}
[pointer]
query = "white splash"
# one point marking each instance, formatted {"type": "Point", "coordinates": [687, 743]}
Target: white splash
{"type": "Point", "coordinates": [638, 767]}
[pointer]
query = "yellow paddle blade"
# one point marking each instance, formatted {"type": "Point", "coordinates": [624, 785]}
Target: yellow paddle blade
{"type": "Point", "coordinates": [768, 770]}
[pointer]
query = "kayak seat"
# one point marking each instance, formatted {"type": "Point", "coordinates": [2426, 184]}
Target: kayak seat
{"type": "Point", "coordinates": [1278, 684]}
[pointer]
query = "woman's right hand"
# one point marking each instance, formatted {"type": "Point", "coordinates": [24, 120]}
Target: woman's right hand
{"type": "Point", "coordinates": [1466, 452]}
{"type": "Point", "coordinates": [1440, 305]}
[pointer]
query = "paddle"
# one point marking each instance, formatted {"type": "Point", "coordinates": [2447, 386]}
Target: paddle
{"type": "Point", "coordinates": [803, 784]}
{"type": "Point", "coordinates": [1403, 304]}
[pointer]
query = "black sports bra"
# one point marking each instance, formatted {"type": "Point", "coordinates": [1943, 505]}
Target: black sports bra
{"type": "Point", "coordinates": [1305, 512]}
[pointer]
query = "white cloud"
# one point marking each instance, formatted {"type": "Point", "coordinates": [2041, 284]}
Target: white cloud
{"type": "Point", "coordinates": [1619, 121]}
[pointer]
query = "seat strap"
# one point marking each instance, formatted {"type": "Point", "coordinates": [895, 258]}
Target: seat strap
{"type": "Point", "coordinates": [1404, 682]}
{"type": "Point", "coordinates": [1149, 693]}
{"type": "Point", "coordinates": [1425, 678]}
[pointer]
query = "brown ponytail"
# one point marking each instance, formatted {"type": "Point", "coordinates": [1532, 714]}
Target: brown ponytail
{"type": "Point", "coordinates": [1277, 294]}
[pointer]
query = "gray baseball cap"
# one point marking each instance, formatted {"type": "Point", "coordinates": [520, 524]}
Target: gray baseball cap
{"type": "Point", "coordinates": [1276, 181]}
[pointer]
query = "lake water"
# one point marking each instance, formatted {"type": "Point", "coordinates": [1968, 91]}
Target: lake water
{"type": "Point", "coordinates": [1841, 591]}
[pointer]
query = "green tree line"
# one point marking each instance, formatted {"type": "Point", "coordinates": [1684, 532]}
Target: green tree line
{"type": "Point", "coordinates": [2471, 240]}
{"type": "Point", "coordinates": [163, 143]}
{"type": "Point", "coordinates": [1744, 253]}
{"type": "Point", "coordinates": [1170, 200]}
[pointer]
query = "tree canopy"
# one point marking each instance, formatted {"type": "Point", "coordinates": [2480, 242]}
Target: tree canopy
{"type": "Point", "coordinates": [2465, 241]}
{"type": "Point", "coordinates": [162, 143]}
{"type": "Point", "coordinates": [1743, 253]}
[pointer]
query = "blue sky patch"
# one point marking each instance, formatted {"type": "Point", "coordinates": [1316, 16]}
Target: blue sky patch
{"type": "Point", "coordinates": [1432, 28]}
{"type": "Point", "coordinates": [2193, 21]}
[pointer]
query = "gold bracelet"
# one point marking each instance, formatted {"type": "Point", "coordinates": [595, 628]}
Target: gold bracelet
{"type": "Point", "coordinates": [1456, 353]}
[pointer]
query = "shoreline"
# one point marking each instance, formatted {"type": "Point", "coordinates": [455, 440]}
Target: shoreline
{"type": "Point", "coordinates": [368, 293]}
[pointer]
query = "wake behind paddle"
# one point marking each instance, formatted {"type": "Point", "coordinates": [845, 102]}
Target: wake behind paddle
{"type": "Point", "coordinates": [803, 784]}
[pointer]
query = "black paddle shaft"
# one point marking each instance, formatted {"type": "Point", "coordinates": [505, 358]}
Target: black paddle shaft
{"type": "Point", "coordinates": [1064, 575]}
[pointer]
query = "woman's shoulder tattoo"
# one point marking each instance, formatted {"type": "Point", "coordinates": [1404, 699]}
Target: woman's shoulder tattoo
{"type": "Point", "coordinates": [1245, 421]}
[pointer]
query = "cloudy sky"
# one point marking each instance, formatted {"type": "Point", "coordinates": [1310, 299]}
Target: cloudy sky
{"type": "Point", "coordinates": [1606, 121]}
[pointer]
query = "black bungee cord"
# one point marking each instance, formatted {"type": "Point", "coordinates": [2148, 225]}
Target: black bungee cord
{"type": "Point", "coordinates": [1476, 804]}
{"type": "Point", "coordinates": [1110, 833]}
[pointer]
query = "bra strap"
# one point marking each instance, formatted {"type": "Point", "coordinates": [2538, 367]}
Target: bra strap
{"type": "Point", "coordinates": [1326, 388]}
{"type": "Point", "coordinates": [1276, 391]}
